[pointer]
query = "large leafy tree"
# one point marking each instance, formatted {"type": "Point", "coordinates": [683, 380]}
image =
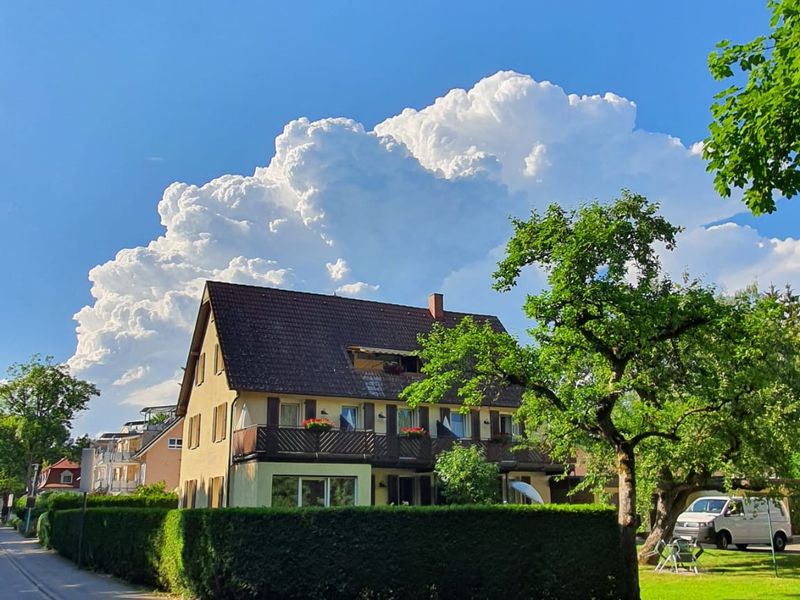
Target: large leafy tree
{"type": "Point", "coordinates": [37, 404]}
{"type": "Point", "coordinates": [599, 331]}
{"type": "Point", "coordinates": [755, 136]}
{"type": "Point", "coordinates": [466, 476]}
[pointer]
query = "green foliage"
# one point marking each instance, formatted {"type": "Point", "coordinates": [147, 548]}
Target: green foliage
{"type": "Point", "coordinates": [44, 529]}
{"type": "Point", "coordinates": [466, 476]}
{"type": "Point", "coordinates": [755, 136]}
{"type": "Point", "coordinates": [37, 404]}
{"type": "Point", "coordinates": [794, 513]}
{"type": "Point", "coordinates": [68, 501]}
{"type": "Point", "coordinates": [152, 489]}
{"type": "Point", "coordinates": [366, 552]}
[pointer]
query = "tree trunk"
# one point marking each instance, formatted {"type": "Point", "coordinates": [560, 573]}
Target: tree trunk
{"type": "Point", "coordinates": [669, 504]}
{"type": "Point", "coordinates": [626, 468]}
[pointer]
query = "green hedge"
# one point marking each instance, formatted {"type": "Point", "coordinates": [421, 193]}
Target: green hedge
{"type": "Point", "coordinates": [364, 552]}
{"type": "Point", "coordinates": [68, 501]}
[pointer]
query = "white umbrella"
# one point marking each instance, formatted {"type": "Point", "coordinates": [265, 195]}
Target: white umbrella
{"type": "Point", "coordinates": [244, 417]}
{"type": "Point", "coordinates": [528, 491]}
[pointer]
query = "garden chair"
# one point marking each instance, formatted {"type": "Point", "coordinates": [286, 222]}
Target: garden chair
{"type": "Point", "coordinates": [683, 553]}
{"type": "Point", "coordinates": [664, 553]}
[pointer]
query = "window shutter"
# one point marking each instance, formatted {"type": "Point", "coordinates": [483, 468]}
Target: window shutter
{"type": "Point", "coordinates": [369, 416]}
{"type": "Point", "coordinates": [214, 425]}
{"type": "Point", "coordinates": [475, 415]}
{"type": "Point", "coordinates": [391, 483]}
{"type": "Point", "coordinates": [311, 409]}
{"type": "Point", "coordinates": [444, 413]}
{"type": "Point", "coordinates": [425, 490]}
{"type": "Point", "coordinates": [273, 411]}
{"type": "Point", "coordinates": [424, 418]}
{"type": "Point", "coordinates": [391, 420]}
{"type": "Point", "coordinates": [494, 420]}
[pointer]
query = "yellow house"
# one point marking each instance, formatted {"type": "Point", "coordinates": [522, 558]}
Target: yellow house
{"type": "Point", "coordinates": [264, 361]}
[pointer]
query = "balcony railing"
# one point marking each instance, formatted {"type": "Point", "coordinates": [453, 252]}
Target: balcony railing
{"type": "Point", "coordinates": [284, 443]}
{"type": "Point", "coordinates": [114, 457]}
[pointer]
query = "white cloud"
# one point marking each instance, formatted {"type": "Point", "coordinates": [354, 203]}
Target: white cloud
{"type": "Point", "coordinates": [419, 204]}
{"type": "Point", "coordinates": [337, 270]}
{"type": "Point", "coordinates": [357, 289]}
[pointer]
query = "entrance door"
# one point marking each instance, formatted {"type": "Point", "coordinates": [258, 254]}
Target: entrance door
{"type": "Point", "coordinates": [405, 490]}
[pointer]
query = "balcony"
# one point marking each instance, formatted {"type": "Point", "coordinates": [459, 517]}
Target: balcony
{"type": "Point", "coordinates": [114, 457]}
{"type": "Point", "coordinates": [266, 443]}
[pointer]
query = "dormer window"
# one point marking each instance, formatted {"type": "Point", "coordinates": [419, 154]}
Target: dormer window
{"type": "Point", "coordinates": [382, 360]}
{"type": "Point", "coordinates": [66, 477]}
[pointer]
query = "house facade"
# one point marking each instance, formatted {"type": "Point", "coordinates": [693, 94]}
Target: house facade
{"type": "Point", "coordinates": [62, 476]}
{"type": "Point", "coordinates": [264, 361]}
{"type": "Point", "coordinates": [142, 452]}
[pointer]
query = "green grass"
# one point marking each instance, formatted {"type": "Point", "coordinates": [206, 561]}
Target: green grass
{"type": "Point", "coordinates": [727, 575]}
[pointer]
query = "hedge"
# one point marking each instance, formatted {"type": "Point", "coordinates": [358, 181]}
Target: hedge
{"type": "Point", "coordinates": [361, 552]}
{"type": "Point", "coordinates": [47, 505]}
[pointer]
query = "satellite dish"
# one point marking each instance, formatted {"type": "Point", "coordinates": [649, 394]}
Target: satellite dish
{"type": "Point", "coordinates": [528, 491]}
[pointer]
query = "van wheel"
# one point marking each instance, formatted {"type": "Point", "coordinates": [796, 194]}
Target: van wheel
{"type": "Point", "coordinates": [723, 540]}
{"type": "Point", "coordinates": [779, 542]}
{"type": "Point", "coordinates": [741, 546]}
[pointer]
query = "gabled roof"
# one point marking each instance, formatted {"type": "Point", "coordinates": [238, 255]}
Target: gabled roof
{"type": "Point", "coordinates": [282, 341]}
{"type": "Point", "coordinates": [167, 428]}
{"type": "Point", "coordinates": [65, 463]}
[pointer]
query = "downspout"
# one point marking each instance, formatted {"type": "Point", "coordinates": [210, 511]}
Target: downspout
{"type": "Point", "coordinates": [230, 456]}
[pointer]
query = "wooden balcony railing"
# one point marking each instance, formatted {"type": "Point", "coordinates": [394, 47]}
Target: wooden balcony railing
{"type": "Point", "coordinates": [284, 443]}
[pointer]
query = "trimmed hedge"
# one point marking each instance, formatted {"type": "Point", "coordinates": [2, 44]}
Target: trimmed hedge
{"type": "Point", "coordinates": [363, 552]}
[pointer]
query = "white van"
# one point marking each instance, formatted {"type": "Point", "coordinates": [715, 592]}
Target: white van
{"type": "Point", "coordinates": [723, 521]}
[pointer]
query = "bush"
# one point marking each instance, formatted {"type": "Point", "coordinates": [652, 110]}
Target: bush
{"type": "Point", "coordinates": [369, 552]}
{"type": "Point", "coordinates": [68, 501]}
{"type": "Point", "coordinates": [466, 476]}
{"type": "Point", "coordinates": [44, 529]}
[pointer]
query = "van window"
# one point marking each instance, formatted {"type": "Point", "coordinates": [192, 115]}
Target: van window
{"type": "Point", "coordinates": [708, 505]}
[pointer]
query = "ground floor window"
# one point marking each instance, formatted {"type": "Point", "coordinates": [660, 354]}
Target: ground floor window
{"type": "Point", "coordinates": [294, 490]}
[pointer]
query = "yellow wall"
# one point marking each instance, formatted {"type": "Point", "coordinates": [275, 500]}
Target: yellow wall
{"type": "Point", "coordinates": [209, 459]}
{"type": "Point", "coordinates": [252, 481]}
{"type": "Point", "coordinates": [163, 463]}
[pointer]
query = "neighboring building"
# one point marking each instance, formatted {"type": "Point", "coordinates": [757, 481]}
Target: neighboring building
{"type": "Point", "coordinates": [117, 463]}
{"type": "Point", "coordinates": [62, 476]}
{"type": "Point", "coordinates": [263, 360]}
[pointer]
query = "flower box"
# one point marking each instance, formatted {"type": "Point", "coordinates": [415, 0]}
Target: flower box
{"type": "Point", "coordinates": [318, 424]}
{"type": "Point", "coordinates": [413, 432]}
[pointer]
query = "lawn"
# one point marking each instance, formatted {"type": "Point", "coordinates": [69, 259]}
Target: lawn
{"type": "Point", "coordinates": [727, 575]}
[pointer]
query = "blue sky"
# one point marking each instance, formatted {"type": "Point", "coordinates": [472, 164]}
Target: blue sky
{"type": "Point", "coordinates": [104, 105]}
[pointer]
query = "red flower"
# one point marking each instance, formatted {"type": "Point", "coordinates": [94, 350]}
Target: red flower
{"type": "Point", "coordinates": [318, 424]}
{"type": "Point", "coordinates": [413, 431]}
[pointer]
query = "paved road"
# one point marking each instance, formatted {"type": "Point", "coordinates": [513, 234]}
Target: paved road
{"type": "Point", "coordinates": [27, 572]}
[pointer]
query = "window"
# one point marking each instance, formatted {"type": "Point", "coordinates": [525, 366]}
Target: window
{"type": "Point", "coordinates": [460, 424]}
{"type": "Point", "coordinates": [66, 477]}
{"type": "Point", "coordinates": [293, 491]}
{"type": "Point", "coordinates": [216, 491]}
{"type": "Point", "coordinates": [349, 418]}
{"type": "Point", "coordinates": [175, 443]}
{"type": "Point", "coordinates": [200, 369]}
{"type": "Point", "coordinates": [190, 493]}
{"type": "Point", "coordinates": [220, 422]}
{"type": "Point", "coordinates": [194, 432]}
{"type": "Point", "coordinates": [218, 367]}
{"type": "Point", "coordinates": [406, 417]}
{"type": "Point", "coordinates": [508, 426]}
{"type": "Point", "coordinates": [290, 415]}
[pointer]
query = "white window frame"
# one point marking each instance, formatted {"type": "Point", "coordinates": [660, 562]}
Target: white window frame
{"type": "Point", "coordinates": [358, 414]}
{"type": "Point", "coordinates": [66, 477]}
{"type": "Point", "coordinates": [327, 487]}
{"type": "Point", "coordinates": [175, 443]}
{"type": "Point", "coordinates": [414, 418]}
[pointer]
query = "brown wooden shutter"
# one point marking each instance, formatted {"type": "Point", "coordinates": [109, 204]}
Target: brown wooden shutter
{"type": "Point", "coordinates": [475, 415]}
{"type": "Point", "coordinates": [392, 484]}
{"type": "Point", "coordinates": [424, 418]}
{"type": "Point", "coordinates": [522, 428]}
{"type": "Point", "coordinates": [391, 420]}
{"type": "Point", "coordinates": [494, 420]}
{"type": "Point", "coordinates": [444, 413]}
{"type": "Point", "coordinates": [369, 416]}
{"type": "Point", "coordinates": [273, 411]}
{"type": "Point", "coordinates": [372, 490]}
{"type": "Point", "coordinates": [311, 409]}
{"type": "Point", "coordinates": [425, 490]}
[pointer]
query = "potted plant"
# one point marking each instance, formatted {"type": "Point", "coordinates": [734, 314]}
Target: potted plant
{"type": "Point", "coordinates": [413, 432]}
{"type": "Point", "coordinates": [318, 424]}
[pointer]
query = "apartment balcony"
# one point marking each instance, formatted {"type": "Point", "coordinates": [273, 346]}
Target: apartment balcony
{"type": "Point", "coordinates": [114, 457]}
{"type": "Point", "coordinates": [267, 443]}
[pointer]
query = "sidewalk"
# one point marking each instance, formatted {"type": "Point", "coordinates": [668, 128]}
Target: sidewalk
{"type": "Point", "coordinates": [29, 571]}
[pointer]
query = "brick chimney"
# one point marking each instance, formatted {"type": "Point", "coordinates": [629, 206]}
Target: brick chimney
{"type": "Point", "coordinates": [436, 306]}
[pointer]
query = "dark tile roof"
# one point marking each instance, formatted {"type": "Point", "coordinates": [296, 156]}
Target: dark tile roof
{"type": "Point", "coordinates": [282, 341]}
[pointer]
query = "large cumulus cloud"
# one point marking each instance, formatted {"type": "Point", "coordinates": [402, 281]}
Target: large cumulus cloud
{"type": "Point", "coordinates": [417, 205]}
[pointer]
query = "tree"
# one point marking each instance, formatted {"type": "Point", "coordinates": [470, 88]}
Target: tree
{"type": "Point", "coordinates": [608, 314]}
{"type": "Point", "coordinates": [466, 476]}
{"type": "Point", "coordinates": [755, 136]}
{"type": "Point", "coordinates": [747, 369]}
{"type": "Point", "coordinates": [39, 400]}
